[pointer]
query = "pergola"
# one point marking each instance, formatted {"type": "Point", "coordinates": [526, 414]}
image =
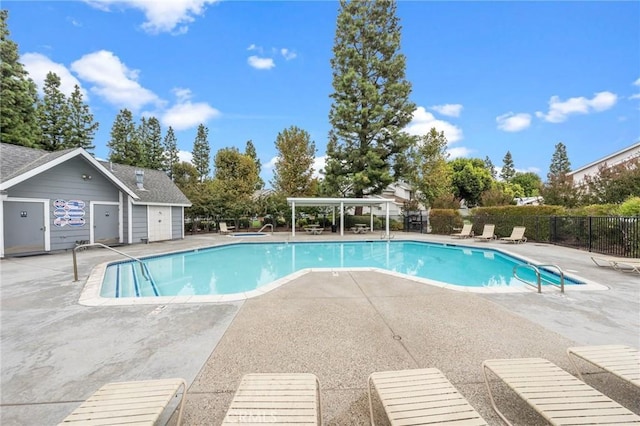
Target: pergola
{"type": "Point", "coordinates": [341, 203]}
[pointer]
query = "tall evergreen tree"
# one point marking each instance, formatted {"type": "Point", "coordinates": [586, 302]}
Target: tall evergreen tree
{"type": "Point", "coordinates": [150, 136]}
{"type": "Point", "coordinates": [18, 94]}
{"type": "Point", "coordinates": [489, 165]}
{"type": "Point", "coordinates": [170, 158]}
{"type": "Point", "coordinates": [508, 170]}
{"type": "Point", "coordinates": [371, 102]}
{"type": "Point", "coordinates": [202, 153]}
{"type": "Point", "coordinates": [293, 173]}
{"type": "Point", "coordinates": [250, 151]}
{"type": "Point", "coordinates": [559, 189]}
{"type": "Point", "coordinates": [560, 164]}
{"type": "Point", "coordinates": [82, 128]}
{"type": "Point", "coordinates": [53, 115]}
{"type": "Point", "coordinates": [124, 145]}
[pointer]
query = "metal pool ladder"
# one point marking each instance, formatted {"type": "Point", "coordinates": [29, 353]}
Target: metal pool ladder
{"type": "Point", "coordinates": [143, 266]}
{"type": "Point", "coordinates": [267, 225]}
{"type": "Point", "coordinates": [536, 269]}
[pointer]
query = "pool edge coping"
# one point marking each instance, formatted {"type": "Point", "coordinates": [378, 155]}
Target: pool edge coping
{"type": "Point", "coordinates": [90, 295]}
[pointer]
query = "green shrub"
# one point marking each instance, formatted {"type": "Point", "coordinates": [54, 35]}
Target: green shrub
{"type": "Point", "coordinates": [596, 210]}
{"type": "Point", "coordinates": [630, 207]}
{"type": "Point", "coordinates": [443, 221]}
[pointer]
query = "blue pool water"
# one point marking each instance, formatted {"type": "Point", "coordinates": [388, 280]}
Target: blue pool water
{"type": "Point", "coordinates": [244, 267]}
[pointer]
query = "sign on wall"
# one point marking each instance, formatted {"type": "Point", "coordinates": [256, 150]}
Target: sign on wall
{"type": "Point", "coordinates": [68, 212]}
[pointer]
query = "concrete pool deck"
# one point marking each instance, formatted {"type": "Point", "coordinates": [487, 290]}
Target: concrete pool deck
{"type": "Point", "coordinates": [341, 326]}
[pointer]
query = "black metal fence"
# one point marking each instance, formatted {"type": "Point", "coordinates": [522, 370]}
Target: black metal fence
{"type": "Point", "coordinates": [610, 235]}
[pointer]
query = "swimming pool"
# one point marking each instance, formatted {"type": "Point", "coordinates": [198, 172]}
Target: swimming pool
{"type": "Point", "coordinates": [249, 267]}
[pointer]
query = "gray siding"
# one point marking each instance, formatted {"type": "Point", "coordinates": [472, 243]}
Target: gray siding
{"type": "Point", "coordinates": [177, 222]}
{"type": "Point", "coordinates": [139, 219]}
{"type": "Point", "coordinates": [65, 182]}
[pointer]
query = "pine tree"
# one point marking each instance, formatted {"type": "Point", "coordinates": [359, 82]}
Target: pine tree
{"type": "Point", "coordinates": [508, 170]}
{"type": "Point", "coordinates": [559, 188]}
{"type": "Point", "coordinates": [293, 172]}
{"type": "Point", "coordinates": [124, 145]}
{"type": "Point", "coordinates": [82, 128]}
{"type": "Point", "coordinates": [560, 164]}
{"type": "Point", "coordinates": [53, 115]}
{"type": "Point", "coordinates": [489, 165]}
{"type": "Point", "coordinates": [201, 153]}
{"type": "Point", "coordinates": [170, 158]}
{"type": "Point", "coordinates": [250, 151]}
{"type": "Point", "coordinates": [18, 94]}
{"type": "Point", "coordinates": [150, 136]}
{"type": "Point", "coordinates": [371, 102]}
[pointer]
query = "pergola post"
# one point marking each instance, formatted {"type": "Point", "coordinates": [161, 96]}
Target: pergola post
{"type": "Point", "coordinates": [293, 218]}
{"type": "Point", "coordinates": [387, 221]}
{"type": "Point", "coordinates": [342, 218]}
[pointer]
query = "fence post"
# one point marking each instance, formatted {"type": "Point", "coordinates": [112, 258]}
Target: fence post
{"type": "Point", "coordinates": [590, 229]}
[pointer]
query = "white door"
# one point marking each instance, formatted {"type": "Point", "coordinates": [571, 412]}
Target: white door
{"type": "Point", "coordinates": [159, 223]}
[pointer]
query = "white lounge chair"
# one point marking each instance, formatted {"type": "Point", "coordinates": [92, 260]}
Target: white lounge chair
{"type": "Point", "coordinates": [559, 397]}
{"type": "Point", "coordinates": [278, 398]}
{"type": "Point", "coordinates": [140, 403]}
{"type": "Point", "coordinates": [517, 235]}
{"type": "Point", "coordinates": [619, 360]}
{"type": "Point", "coordinates": [224, 229]}
{"type": "Point", "coordinates": [466, 232]}
{"type": "Point", "coordinates": [622, 264]}
{"type": "Point", "coordinates": [421, 396]}
{"type": "Point", "coordinates": [488, 233]}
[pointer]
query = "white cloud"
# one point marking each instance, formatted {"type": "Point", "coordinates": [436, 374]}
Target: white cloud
{"type": "Point", "coordinates": [252, 47]}
{"type": "Point", "coordinates": [185, 156]}
{"type": "Point", "coordinates": [458, 152]}
{"type": "Point", "coordinates": [559, 110]}
{"type": "Point", "coordinates": [288, 54]}
{"type": "Point", "coordinates": [113, 81]}
{"type": "Point", "coordinates": [637, 82]}
{"type": "Point", "coordinates": [450, 110]}
{"type": "Point", "coordinates": [319, 164]}
{"type": "Point", "coordinates": [161, 15]}
{"type": "Point", "coordinates": [261, 63]}
{"type": "Point", "coordinates": [271, 164]}
{"type": "Point", "coordinates": [635, 96]}
{"type": "Point", "coordinates": [511, 122]}
{"type": "Point", "coordinates": [423, 121]}
{"type": "Point", "coordinates": [38, 66]}
{"type": "Point", "coordinates": [186, 114]}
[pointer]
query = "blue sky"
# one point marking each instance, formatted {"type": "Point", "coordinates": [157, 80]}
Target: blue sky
{"type": "Point", "coordinates": [494, 76]}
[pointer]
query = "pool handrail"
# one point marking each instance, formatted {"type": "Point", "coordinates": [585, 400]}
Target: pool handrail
{"type": "Point", "coordinates": [538, 275]}
{"type": "Point", "coordinates": [269, 225]}
{"type": "Point", "coordinates": [143, 266]}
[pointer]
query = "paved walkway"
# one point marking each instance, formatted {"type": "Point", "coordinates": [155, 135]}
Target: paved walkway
{"type": "Point", "coordinates": [342, 326]}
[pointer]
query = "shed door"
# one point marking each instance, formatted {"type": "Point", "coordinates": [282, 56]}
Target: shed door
{"type": "Point", "coordinates": [159, 223]}
{"type": "Point", "coordinates": [24, 227]}
{"type": "Point", "coordinates": [106, 225]}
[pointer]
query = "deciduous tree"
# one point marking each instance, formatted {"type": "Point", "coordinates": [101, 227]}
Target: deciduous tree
{"type": "Point", "coordinates": [470, 179]}
{"type": "Point", "coordinates": [234, 181]}
{"type": "Point", "coordinates": [430, 174]}
{"type": "Point", "coordinates": [18, 94]}
{"type": "Point", "coordinates": [530, 183]}
{"type": "Point", "coordinates": [293, 172]}
{"type": "Point", "coordinates": [371, 103]}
